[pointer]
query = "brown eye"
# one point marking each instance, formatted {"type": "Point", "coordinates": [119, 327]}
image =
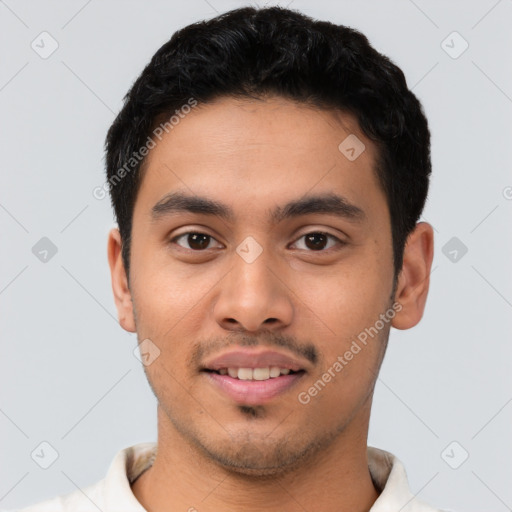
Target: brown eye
{"type": "Point", "coordinates": [196, 241]}
{"type": "Point", "coordinates": [318, 241]}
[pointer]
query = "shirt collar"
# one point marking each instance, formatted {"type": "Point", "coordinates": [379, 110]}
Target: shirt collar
{"type": "Point", "coordinates": [127, 465]}
{"type": "Point", "coordinates": [387, 472]}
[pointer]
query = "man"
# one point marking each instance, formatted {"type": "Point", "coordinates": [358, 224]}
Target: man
{"type": "Point", "coordinates": [267, 173]}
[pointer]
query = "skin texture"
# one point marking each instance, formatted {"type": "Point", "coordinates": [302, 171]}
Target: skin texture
{"type": "Point", "coordinates": [255, 155]}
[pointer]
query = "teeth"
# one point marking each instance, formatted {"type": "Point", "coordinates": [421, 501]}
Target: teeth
{"type": "Point", "coordinates": [261, 373]}
{"type": "Point", "coordinates": [274, 371]}
{"type": "Point", "coordinates": [254, 373]}
{"type": "Point", "coordinates": [245, 373]}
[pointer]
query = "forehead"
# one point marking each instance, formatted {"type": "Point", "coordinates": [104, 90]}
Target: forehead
{"type": "Point", "coordinates": [261, 150]}
{"type": "Point", "coordinates": [272, 120]}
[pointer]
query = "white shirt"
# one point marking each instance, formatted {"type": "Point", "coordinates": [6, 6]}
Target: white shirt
{"type": "Point", "coordinates": [114, 494]}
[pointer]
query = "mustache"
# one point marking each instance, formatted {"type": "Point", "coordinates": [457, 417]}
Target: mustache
{"type": "Point", "coordinates": [268, 339]}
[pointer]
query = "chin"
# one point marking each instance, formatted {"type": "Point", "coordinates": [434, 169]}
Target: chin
{"type": "Point", "coordinates": [263, 458]}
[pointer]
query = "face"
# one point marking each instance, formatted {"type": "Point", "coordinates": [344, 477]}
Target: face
{"type": "Point", "coordinates": [259, 249]}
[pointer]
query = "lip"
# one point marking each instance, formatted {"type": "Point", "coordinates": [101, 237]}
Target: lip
{"type": "Point", "coordinates": [247, 358]}
{"type": "Point", "coordinates": [253, 392]}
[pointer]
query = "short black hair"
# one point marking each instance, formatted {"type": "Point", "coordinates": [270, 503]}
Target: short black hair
{"type": "Point", "coordinates": [254, 52]}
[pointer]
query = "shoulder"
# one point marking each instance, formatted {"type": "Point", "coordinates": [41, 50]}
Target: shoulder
{"type": "Point", "coordinates": [88, 499]}
{"type": "Point", "coordinates": [112, 494]}
{"type": "Point", "coordinates": [390, 478]}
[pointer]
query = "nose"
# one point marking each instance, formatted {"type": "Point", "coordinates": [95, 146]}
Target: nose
{"type": "Point", "coordinates": [254, 296]}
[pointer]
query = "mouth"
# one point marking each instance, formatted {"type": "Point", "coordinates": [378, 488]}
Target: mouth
{"type": "Point", "coordinates": [259, 374]}
{"type": "Point", "coordinates": [253, 378]}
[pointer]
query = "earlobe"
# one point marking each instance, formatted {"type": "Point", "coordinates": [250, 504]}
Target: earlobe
{"type": "Point", "coordinates": [414, 279]}
{"type": "Point", "coordinates": [122, 294]}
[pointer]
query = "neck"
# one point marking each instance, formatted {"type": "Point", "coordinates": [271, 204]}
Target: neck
{"type": "Point", "coordinates": [184, 478]}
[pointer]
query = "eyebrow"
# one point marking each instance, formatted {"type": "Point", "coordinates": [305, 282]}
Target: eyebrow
{"type": "Point", "coordinates": [331, 204]}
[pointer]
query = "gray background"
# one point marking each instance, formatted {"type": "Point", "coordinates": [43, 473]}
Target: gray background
{"type": "Point", "coordinates": [68, 373]}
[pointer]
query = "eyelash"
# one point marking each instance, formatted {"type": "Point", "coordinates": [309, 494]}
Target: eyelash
{"type": "Point", "coordinates": [341, 243]}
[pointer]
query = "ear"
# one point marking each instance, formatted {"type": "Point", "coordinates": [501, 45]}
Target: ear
{"type": "Point", "coordinates": [122, 294]}
{"type": "Point", "coordinates": [414, 278]}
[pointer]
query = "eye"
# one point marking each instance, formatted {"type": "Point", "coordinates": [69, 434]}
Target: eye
{"type": "Point", "coordinates": [318, 240]}
{"type": "Point", "coordinates": [195, 240]}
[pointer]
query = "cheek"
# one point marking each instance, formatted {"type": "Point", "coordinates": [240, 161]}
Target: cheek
{"type": "Point", "coordinates": [346, 299]}
{"type": "Point", "coordinates": [346, 306]}
{"type": "Point", "coordinates": [171, 309]}
{"type": "Point", "coordinates": [165, 290]}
